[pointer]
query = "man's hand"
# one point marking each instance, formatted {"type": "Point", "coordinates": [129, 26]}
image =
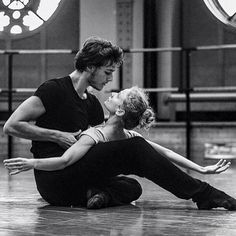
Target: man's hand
{"type": "Point", "coordinates": [17, 165]}
{"type": "Point", "coordinates": [219, 167]}
{"type": "Point", "coordinates": [66, 139]}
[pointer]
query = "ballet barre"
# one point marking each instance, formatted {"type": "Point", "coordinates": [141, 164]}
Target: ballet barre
{"type": "Point", "coordinates": [178, 90]}
{"type": "Point", "coordinates": [142, 50]}
{"type": "Point", "coordinates": [214, 89]}
{"type": "Point", "coordinates": [201, 97]}
{"type": "Point", "coordinates": [47, 51]}
{"type": "Point", "coordinates": [216, 47]}
{"type": "Point", "coordinates": [18, 90]}
{"type": "Point", "coordinates": [126, 50]}
{"type": "Point", "coordinates": [187, 90]}
{"type": "Point", "coordinates": [179, 49]}
{"type": "Point", "coordinates": [194, 89]}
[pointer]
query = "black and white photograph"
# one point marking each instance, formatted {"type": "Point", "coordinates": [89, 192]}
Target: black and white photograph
{"type": "Point", "coordinates": [118, 117]}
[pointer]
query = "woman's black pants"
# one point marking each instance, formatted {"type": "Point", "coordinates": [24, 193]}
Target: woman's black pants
{"type": "Point", "coordinates": [100, 168]}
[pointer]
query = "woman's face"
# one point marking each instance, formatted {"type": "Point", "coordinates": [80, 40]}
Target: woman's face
{"type": "Point", "coordinates": [115, 101]}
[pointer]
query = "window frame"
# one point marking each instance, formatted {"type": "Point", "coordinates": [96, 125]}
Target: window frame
{"type": "Point", "coordinates": [6, 36]}
{"type": "Point", "coordinates": [218, 11]}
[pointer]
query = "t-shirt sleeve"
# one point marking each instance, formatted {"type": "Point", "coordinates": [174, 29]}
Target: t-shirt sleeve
{"type": "Point", "coordinates": [50, 94]}
{"type": "Point", "coordinates": [132, 133]}
{"type": "Point", "coordinates": [96, 114]}
{"type": "Point", "coordinates": [92, 133]}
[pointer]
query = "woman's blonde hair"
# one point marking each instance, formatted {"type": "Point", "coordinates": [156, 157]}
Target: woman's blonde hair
{"type": "Point", "coordinates": [138, 112]}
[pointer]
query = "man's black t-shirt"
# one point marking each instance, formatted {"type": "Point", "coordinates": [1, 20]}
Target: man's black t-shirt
{"type": "Point", "coordinates": [65, 111]}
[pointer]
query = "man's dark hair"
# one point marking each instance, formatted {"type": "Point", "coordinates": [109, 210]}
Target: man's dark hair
{"type": "Point", "coordinates": [98, 52]}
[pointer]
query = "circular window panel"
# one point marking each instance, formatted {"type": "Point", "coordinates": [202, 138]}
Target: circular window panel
{"type": "Point", "coordinates": [19, 18]}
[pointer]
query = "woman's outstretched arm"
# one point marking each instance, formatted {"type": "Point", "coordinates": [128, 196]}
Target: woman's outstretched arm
{"type": "Point", "coordinates": [217, 168]}
{"type": "Point", "coordinates": [73, 154]}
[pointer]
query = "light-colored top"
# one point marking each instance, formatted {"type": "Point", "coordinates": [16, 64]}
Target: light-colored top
{"type": "Point", "coordinates": [98, 136]}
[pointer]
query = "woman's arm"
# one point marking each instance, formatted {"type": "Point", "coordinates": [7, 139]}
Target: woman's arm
{"type": "Point", "coordinates": [73, 154]}
{"type": "Point", "coordinates": [219, 167]}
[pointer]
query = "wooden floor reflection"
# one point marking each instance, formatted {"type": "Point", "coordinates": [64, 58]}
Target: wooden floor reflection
{"type": "Point", "coordinates": [157, 212]}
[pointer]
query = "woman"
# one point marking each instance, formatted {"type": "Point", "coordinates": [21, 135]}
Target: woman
{"type": "Point", "coordinates": [127, 110]}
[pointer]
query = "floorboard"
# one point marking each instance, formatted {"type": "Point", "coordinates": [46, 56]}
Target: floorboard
{"type": "Point", "coordinates": [157, 212]}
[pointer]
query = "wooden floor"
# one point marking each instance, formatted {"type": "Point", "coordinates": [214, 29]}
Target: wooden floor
{"type": "Point", "coordinates": [157, 212]}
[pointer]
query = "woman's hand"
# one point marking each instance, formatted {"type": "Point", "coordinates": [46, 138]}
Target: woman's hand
{"type": "Point", "coordinates": [221, 166]}
{"type": "Point", "coordinates": [17, 165]}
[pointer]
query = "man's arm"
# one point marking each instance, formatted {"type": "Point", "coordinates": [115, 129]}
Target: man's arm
{"type": "Point", "coordinates": [219, 167]}
{"type": "Point", "coordinates": [72, 155]}
{"type": "Point", "coordinates": [19, 124]}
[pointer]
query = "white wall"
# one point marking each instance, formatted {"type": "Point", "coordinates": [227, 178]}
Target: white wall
{"type": "Point", "coordinates": [167, 23]}
{"type": "Point", "coordinates": [138, 43]}
{"type": "Point", "coordinates": [98, 18]}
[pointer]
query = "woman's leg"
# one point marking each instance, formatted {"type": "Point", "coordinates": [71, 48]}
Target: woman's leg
{"type": "Point", "coordinates": [136, 156]}
{"type": "Point", "coordinates": [132, 156]}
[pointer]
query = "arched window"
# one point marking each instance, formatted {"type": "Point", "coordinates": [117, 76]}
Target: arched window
{"type": "Point", "coordinates": [22, 17]}
{"type": "Point", "coordinates": [223, 10]}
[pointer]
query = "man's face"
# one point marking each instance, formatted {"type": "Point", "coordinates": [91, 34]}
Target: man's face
{"type": "Point", "coordinates": [101, 76]}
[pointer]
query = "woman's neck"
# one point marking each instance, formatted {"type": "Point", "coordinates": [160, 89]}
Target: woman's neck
{"type": "Point", "coordinates": [114, 128]}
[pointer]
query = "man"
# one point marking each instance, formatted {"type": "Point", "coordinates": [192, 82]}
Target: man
{"type": "Point", "coordinates": [62, 108]}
